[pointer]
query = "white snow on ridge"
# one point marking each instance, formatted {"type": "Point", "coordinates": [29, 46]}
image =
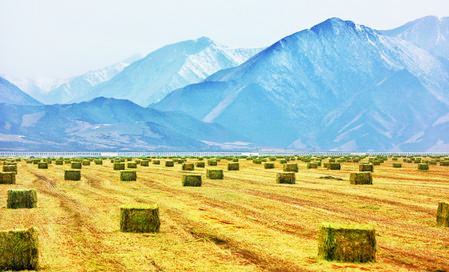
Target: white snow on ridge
{"type": "Point", "coordinates": [29, 120]}
{"type": "Point", "coordinates": [443, 119]}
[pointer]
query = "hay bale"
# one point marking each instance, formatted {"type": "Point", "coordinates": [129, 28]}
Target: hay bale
{"type": "Point", "coordinates": [233, 166]}
{"type": "Point", "coordinates": [423, 166]}
{"type": "Point", "coordinates": [257, 161]}
{"type": "Point", "coordinates": [200, 164]}
{"type": "Point", "coordinates": [119, 166]}
{"type": "Point", "coordinates": [139, 218]}
{"type": "Point", "coordinates": [156, 162]}
{"type": "Point", "coordinates": [283, 161]}
{"type": "Point", "coordinates": [7, 178]}
{"type": "Point", "coordinates": [191, 180]}
{"type": "Point", "coordinates": [268, 165]}
{"type": "Point", "coordinates": [42, 165]}
{"type": "Point", "coordinates": [128, 175]}
{"type": "Point", "coordinates": [212, 162]}
{"type": "Point", "coordinates": [397, 165]}
{"type": "Point", "coordinates": [76, 165]}
{"type": "Point", "coordinates": [364, 167]}
{"type": "Point", "coordinates": [98, 162]}
{"type": "Point", "coordinates": [59, 162]}
{"type": "Point", "coordinates": [26, 198]}
{"type": "Point", "coordinates": [132, 165]}
{"type": "Point", "coordinates": [444, 163]}
{"type": "Point", "coordinates": [361, 178]}
{"type": "Point", "coordinates": [443, 214]}
{"type": "Point", "coordinates": [72, 174]}
{"type": "Point", "coordinates": [144, 163]}
{"type": "Point", "coordinates": [36, 161]}
{"type": "Point", "coordinates": [334, 166]}
{"type": "Point", "coordinates": [286, 177]}
{"type": "Point", "coordinates": [311, 165]}
{"type": "Point", "coordinates": [19, 249]}
{"type": "Point", "coordinates": [214, 173]}
{"type": "Point", "coordinates": [86, 163]}
{"type": "Point", "coordinates": [343, 243]}
{"type": "Point", "coordinates": [188, 167]}
{"type": "Point", "coordinates": [291, 167]}
{"type": "Point", "coordinates": [10, 168]}
{"type": "Point", "coordinates": [169, 163]}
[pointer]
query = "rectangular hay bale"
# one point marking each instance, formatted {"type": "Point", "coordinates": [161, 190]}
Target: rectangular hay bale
{"type": "Point", "coordinates": [26, 198]}
{"type": "Point", "coordinates": [72, 174]}
{"type": "Point", "coordinates": [191, 180]}
{"type": "Point", "coordinates": [128, 175]}
{"type": "Point", "coordinates": [139, 218]}
{"type": "Point", "coordinates": [19, 249]}
{"type": "Point", "coordinates": [361, 178]}
{"type": "Point", "coordinates": [343, 243]}
{"type": "Point", "coordinates": [443, 214]}
{"type": "Point", "coordinates": [286, 177]}
{"type": "Point", "coordinates": [7, 178]}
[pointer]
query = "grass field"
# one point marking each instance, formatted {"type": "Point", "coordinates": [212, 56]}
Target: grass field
{"type": "Point", "coordinates": [245, 222]}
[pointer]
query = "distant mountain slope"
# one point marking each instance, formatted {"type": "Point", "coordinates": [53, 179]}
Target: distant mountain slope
{"type": "Point", "coordinates": [168, 68]}
{"type": "Point", "coordinates": [285, 94]}
{"type": "Point", "coordinates": [54, 91]}
{"type": "Point", "coordinates": [108, 124]}
{"type": "Point", "coordinates": [430, 33]}
{"type": "Point", "coordinates": [82, 85]}
{"type": "Point", "coordinates": [10, 94]}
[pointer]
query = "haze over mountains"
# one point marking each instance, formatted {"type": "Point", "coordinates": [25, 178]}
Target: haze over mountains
{"type": "Point", "coordinates": [335, 86]}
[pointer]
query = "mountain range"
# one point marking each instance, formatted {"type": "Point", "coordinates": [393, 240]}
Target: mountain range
{"type": "Point", "coordinates": [335, 86]}
{"type": "Point", "coordinates": [108, 124]}
{"type": "Point", "coordinates": [173, 66]}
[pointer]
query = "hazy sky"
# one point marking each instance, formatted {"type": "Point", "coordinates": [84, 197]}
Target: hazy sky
{"type": "Point", "coordinates": [62, 38]}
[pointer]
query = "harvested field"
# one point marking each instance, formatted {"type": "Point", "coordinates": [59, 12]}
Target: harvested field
{"type": "Point", "coordinates": [245, 222]}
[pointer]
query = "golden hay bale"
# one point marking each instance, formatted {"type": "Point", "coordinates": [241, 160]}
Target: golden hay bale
{"type": "Point", "coordinates": [10, 168]}
{"type": "Point", "coordinates": [397, 165]}
{"type": "Point", "coordinates": [334, 166]}
{"type": "Point", "coordinates": [156, 162]}
{"type": "Point", "coordinates": [76, 165]}
{"type": "Point", "coordinates": [191, 180]}
{"type": "Point", "coordinates": [233, 166]}
{"type": "Point", "coordinates": [128, 175]}
{"type": "Point", "coordinates": [423, 166]}
{"type": "Point", "coordinates": [366, 167]}
{"type": "Point", "coordinates": [98, 162]}
{"type": "Point", "coordinates": [86, 163]}
{"type": "Point", "coordinates": [291, 167]}
{"type": "Point", "coordinates": [200, 164]}
{"type": "Point", "coordinates": [311, 165]}
{"type": "Point", "coordinates": [72, 174]}
{"type": "Point", "coordinates": [59, 162]}
{"type": "Point", "coordinates": [212, 162]}
{"type": "Point", "coordinates": [26, 198]}
{"type": "Point", "coordinates": [19, 249]}
{"type": "Point", "coordinates": [188, 166]}
{"type": "Point", "coordinates": [42, 165]}
{"type": "Point", "coordinates": [119, 166]}
{"type": "Point", "coordinates": [169, 163]}
{"type": "Point", "coordinates": [443, 214]}
{"type": "Point", "coordinates": [7, 178]}
{"type": "Point", "coordinates": [214, 173]}
{"type": "Point", "coordinates": [344, 243]}
{"type": "Point", "coordinates": [268, 165]}
{"type": "Point", "coordinates": [361, 178]}
{"type": "Point", "coordinates": [132, 165]}
{"type": "Point", "coordinates": [286, 177]}
{"type": "Point", "coordinates": [144, 163]}
{"type": "Point", "coordinates": [139, 218]}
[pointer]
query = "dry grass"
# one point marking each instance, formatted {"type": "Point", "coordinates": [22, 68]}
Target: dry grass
{"type": "Point", "coordinates": [245, 222]}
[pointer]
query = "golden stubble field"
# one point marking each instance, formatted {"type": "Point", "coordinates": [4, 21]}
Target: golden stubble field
{"type": "Point", "coordinates": [245, 222]}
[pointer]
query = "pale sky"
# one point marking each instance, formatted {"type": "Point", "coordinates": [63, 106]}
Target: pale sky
{"type": "Point", "coordinates": [63, 38]}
